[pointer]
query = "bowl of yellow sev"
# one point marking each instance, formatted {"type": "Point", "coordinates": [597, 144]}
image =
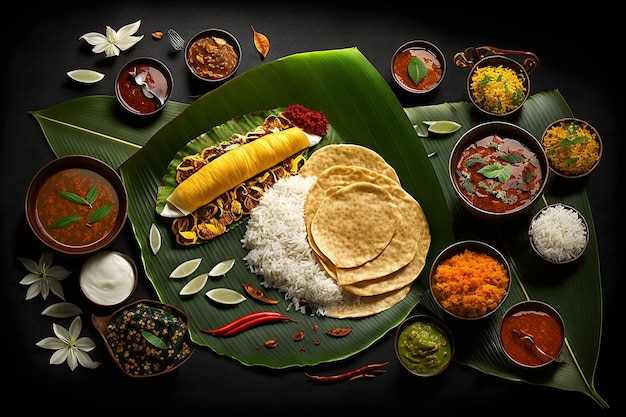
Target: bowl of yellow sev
{"type": "Point", "coordinates": [470, 279]}
{"type": "Point", "coordinates": [498, 85]}
{"type": "Point", "coordinates": [573, 147]}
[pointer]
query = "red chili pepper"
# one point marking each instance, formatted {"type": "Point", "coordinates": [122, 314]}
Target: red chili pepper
{"type": "Point", "coordinates": [246, 322]}
{"type": "Point", "coordinates": [366, 371]}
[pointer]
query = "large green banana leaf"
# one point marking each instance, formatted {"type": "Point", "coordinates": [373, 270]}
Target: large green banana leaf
{"type": "Point", "coordinates": [362, 107]}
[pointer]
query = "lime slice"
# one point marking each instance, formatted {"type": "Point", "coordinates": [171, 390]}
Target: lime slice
{"type": "Point", "coordinates": [194, 285]}
{"type": "Point", "coordinates": [225, 296]}
{"type": "Point", "coordinates": [443, 127]}
{"type": "Point", "coordinates": [221, 268]}
{"type": "Point", "coordinates": [85, 76]}
{"type": "Point", "coordinates": [186, 268]}
{"type": "Point", "coordinates": [155, 239]}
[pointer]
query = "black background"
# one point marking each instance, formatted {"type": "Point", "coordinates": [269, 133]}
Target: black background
{"type": "Point", "coordinates": [578, 50]}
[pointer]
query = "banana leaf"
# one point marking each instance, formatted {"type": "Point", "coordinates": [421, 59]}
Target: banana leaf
{"type": "Point", "coordinates": [363, 109]}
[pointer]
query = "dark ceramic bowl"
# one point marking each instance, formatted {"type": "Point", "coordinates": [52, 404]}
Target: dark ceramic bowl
{"type": "Point", "coordinates": [572, 247]}
{"type": "Point", "coordinates": [108, 278]}
{"type": "Point", "coordinates": [62, 221]}
{"type": "Point", "coordinates": [569, 161]}
{"type": "Point", "coordinates": [491, 104]}
{"type": "Point", "coordinates": [431, 56]}
{"type": "Point", "coordinates": [454, 304]}
{"type": "Point", "coordinates": [144, 100]}
{"type": "Point", "coordinates": [420, 355]}
{"type": "Point", "coordinates": [216, 64]}
{"type": "Point", "coordinates": [146, 338]}
{"type": "Point", "coordinates": [537, 320]}
{"type": "Point", "coordinates": [466, 183]}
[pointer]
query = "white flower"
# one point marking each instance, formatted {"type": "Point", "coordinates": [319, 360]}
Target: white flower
{"type": "Point", "coordinates": [113, 42]}
{"type": "Point", "coordinates": [44, 277]}
{"type": "Point", "coordinates": [69, 346]}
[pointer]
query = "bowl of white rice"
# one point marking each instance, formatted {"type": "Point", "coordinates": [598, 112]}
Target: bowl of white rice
{"type": "Point", "coordinates": [559, 233]}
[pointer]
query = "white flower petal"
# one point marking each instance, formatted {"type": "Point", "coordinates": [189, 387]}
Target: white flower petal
{"type": "Point", "coordinates": [110, 34]}
{"type": "Point", "coordinates": [29, 264]}
{"type": "Point", "coordinates": [62, 333]}
{"type": "Point", "coordinates": [56, 288]}
{"type": "Point", "coordinates": [72, 361]}
{"type": "Point", "coordinates": [127, 42]}
{"type": "Point", "coordinates": [94, 38]}
{"type": "Point", "coordinates": [33, 291]}
{"type": "Point", "coordinates": [75, 328]}
{"type": "Point", "coordinates": [58, 272]}
{"type": "Point", "coordinates": [59, 356]}
{"type": "Point", "coordinates": [128, 30]}
{"type": "Point", "coordinates": [62, 310]}
{"type": "Point", "coordinates": [30, 278]}
{"type": "Point", "coordinates": [45, 261]}
{"type": "Point", "coordinates": [85, 344]}
{"type": "Point", "coordinates": [111, 50]}
{"type": "Point", "coordinates": [85, 360]}
{"type": "Point", "coordinates": [51, 343]}
{"type": "Point", "coordinates": [44, 288]}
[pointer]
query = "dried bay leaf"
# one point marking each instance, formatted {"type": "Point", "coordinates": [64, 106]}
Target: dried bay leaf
{"type": "Point", "coordinates": [261, 43]}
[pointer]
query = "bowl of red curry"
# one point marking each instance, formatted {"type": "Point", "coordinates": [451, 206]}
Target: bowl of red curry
{"type": "Point", "coordinates": [213, 55]}
{"type": "Point", "coordinates": [532, 334]}
{"type": "Point", "coordinates": [498, 171]}
{"type": "Point", "coordinates": [143, 86]}
{"type": "Point", "coordinates": [418, 66]}
{"type": "Point", "coordinates": [76, 205]}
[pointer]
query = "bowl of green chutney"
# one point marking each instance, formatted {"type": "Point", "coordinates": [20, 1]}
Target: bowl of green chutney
{"type": "Point", "coordinates": [424, 345]}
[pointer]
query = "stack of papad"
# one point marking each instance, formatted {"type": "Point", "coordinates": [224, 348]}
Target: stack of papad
{"type": "Point", "coordinates": [371, 236]}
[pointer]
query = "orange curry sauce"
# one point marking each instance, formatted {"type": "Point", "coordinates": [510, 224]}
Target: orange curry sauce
{"type": "Point", "coordinates": [498, 174]}
{"type": "Point", "coordinates": [401, 69]}
{"type": "Point", "coordinates": [52, 206]}
{"type": "Point", "coordinates": [545, 329]}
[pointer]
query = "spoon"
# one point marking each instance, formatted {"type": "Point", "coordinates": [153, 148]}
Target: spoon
{"type": "Point", "coordinates": [525, 336]}
{"type": "Point", "coordinates": [140, 79]}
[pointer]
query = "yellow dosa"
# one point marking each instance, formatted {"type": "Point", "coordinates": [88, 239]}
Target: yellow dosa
{"type": "Point", "coordinates": [235, 167]}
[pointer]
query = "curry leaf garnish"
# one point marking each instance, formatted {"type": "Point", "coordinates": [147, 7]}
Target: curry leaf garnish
{"type": "Point", "coordinates": [92, 194]}
{"type": "Point", "coordinates": [473, 160]}
{"type": "Point", "coordinates": [66, 221]}
{"type": "Point", "coordinates": [512, 157]}
{"type": "Point", "coordinates": [496, 170]}
{"type": "Point", "coordinates": [574, 141]}
{"type": "Point", "coordinates": [74, 198]}
{"type": "Point", "coordinates": [417, 69]}
{"type": "Point", "coordinates": [100, 213]}
{"type": "Point", "coordinates": [153, 339]}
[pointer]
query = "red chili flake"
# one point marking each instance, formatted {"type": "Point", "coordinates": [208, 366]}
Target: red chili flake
{"type": "Point", "coordinates": [311, 121]}
{"type": "Point", "coordinates": [315, 327]}
{"type": "Point", "coordinates": [317, 341]}
{"type": "Point", "coordinates": [303, 349]}
{"type": "Point", "coordinates": [298, 336]}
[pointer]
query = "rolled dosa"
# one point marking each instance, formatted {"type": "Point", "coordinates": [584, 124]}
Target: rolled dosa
{"type": "Point", "coordinates": [233, 168]}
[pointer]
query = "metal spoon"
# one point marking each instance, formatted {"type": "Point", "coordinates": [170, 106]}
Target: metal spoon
{"type": "Point", "coordinates": [525, 336]}
{"type": "Point", "coordinates": [140, 79]}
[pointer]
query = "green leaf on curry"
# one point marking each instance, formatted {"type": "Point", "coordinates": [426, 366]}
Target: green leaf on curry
{"type": "Point", "coordinates": [417, 69]}
{"type": "Point", "coordinates": [336, 80]}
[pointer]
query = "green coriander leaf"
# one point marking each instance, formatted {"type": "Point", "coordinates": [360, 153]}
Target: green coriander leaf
{"type": "Point", "coordinates": [92, 194]}
{"type": "Point", "coordinates": [574, 141]}
{"type": "Point", "coordinates": [496, 170]}
{"type": "Point", "coordinates": [73, 197]}
{"type": "Point", "coordinates": [417, 69]}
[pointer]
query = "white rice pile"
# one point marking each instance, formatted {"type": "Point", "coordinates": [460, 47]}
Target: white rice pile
{"type": "Point", "coordinates": [558, 233]}
{"type": "Point", "coordinates": [279, 251]}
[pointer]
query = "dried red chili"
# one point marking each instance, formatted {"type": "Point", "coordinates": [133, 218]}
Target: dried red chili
{"type": "Point", "coordinates": [366, 371]}
{"type": "Point", "coordinates": [339, 331]}
{"type": "Point", "coordinates": [247, 322]}
{"type": "Point", "coordinates": [257, 294]}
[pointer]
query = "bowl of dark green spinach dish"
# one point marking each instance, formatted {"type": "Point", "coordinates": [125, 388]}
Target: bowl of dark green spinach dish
{"type": "Point", "coordinates": [424, 345]}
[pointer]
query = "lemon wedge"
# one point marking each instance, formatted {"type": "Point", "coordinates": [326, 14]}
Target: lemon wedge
{"type": "Point", "coordinates": [155, 239]}
{"type": "Point", "coordinates": [443, 127]}
{"type": "Point", "coordinates": [195, 285]}
{"type": "Point", "coordinates": [186, 268]}
{"type": "Point", "coordinates": [85, 76]}
{"type": "Point", "coordinates": [225, 296]}
{"type": "Point", "coordinates": [222, 268]}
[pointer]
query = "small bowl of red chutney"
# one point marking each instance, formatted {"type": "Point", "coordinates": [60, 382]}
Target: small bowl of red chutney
{"type": "Point", "coordinates": [418, 66]}
{"type": "Point", "coordinates": [143, 100]}
{"type": "Point", "coordinates": [529, 321]}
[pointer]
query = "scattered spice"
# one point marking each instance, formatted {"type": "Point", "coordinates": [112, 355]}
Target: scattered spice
{"type": "Point", "coordinates": [298, 336]}
{"type": "Point", "coordinates": [270, 343]}
{"type": "Point", "coordinates": [248, 321]}
{"type": "Point", "coordinates": [261, 43]}
{"type": "Point", "coordinates": [339, 331]}
{"type": "Point", "coordinates": [257, 294]}
{"type": "Point", "coordinates": [157, 35]}
{"type": "Point", "coordinates": [366, 371]}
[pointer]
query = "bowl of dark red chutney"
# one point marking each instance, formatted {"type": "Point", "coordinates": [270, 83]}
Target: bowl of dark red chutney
{"type": "Point", "coordinates": [143, 86]}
